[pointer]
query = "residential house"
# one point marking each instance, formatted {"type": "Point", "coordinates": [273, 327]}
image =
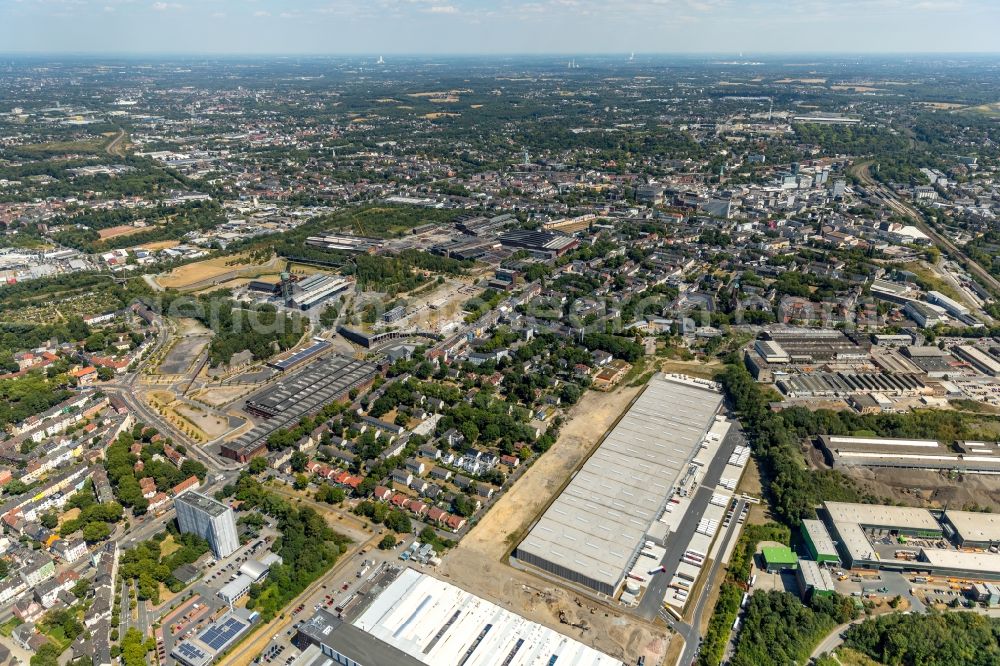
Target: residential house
{"type": "Point", "coordinates": [401, 477]}
{"type": "Point", "coordinates": [440, 473]}
{"type": "Point", "coordinates": [417, 467]}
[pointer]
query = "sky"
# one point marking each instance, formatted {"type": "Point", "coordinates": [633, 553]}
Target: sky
{"type": "Point", "coordinates": [385, 27]}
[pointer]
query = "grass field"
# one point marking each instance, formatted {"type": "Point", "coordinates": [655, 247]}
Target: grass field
{"type": "Point", "coordinates": [189, 275]}
{"type": "Point", "coordinates": [935, 281]}
{"type": "Point", "coordinates": [59, 148]}
{"type": "Point", "coordinates": [991, 110]}
{"type": "Point", "coordinates": [7, 628]}
{"type": "Point", "coordinates": [120, 230]}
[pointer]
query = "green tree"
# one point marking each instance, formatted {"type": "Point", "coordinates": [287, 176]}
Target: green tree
{"type": "Point", "coordinates": [49, 520]}
{"type": "Point", "coordinates": [258, 465]}
{"type": "Point", "coordinates": [47, 655]}
{"type": "Point", "coordinates": [298, 461]}
{"type": "Point", "coordinates": [94, 532]}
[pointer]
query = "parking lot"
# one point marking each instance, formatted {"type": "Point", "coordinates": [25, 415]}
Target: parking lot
{"type": "Point", "coordinates": [183, 619]}
{"type": "Point", "coordinates": [333, 596]}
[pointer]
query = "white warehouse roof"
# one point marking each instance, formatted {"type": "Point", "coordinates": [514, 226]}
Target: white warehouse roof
{"type": "Point", "coordinates": [438, 623]}
{"type": "Point", "coordinates": [591, 532]}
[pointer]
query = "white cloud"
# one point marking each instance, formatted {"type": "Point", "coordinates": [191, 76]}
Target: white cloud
{"type": "Point", "coordinates": [165, 6]}
{"type": "Point", "coordinates": [260, 13]}
{"type": "Point", "coordinates": [442, 9]}
{"type": "Point", "coordinates": [938, 6]}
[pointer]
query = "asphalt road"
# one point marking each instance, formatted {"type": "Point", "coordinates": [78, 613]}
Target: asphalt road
{"type": "Point", "coordinates": [126, 613]}
{"type": "Point", "coordinates": [833, 640]}
{"type": "Point", "coordinates": [691, 646]}
{"type": "Point", "coordinates": [677, 542]}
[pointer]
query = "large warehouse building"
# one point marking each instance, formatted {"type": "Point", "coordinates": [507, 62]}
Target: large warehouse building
{"type": "Point", "coordinates": [956, 543]}
{"type": "Point", "coordinates": [420, 619]}
{"type": "Point", "coordinates": [317, 289]}
{"type": "Point", "coordinates": [324, 381]}
{"type": "Point", "coordinates": [593, 532]}
{"type": "Point", "coordinates": [969, 457]}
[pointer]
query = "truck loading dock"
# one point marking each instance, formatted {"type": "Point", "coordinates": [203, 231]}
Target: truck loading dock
{"type": "Point", "coordinates": [953, 543]}
{"type": "Point", "coordinates": [593, 532]}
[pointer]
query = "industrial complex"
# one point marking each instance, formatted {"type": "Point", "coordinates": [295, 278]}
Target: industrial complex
{"type": "Point", "coordinates": [417, 619]}
{"type": "Point", "coordinates": [327, 380]}
{"type": "Point", "coordinates": [962, 456]}
{"type": "Point", "coordinates": [955, 543]}
{"type": "Point", "coordinates": [594, 531]}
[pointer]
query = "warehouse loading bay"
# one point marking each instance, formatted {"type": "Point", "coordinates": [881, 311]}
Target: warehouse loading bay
{"type": "Point", "coordinates": [646, 540]}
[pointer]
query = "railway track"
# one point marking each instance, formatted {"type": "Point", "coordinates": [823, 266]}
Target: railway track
{"type": "Point", "coordinates": [890, 200]}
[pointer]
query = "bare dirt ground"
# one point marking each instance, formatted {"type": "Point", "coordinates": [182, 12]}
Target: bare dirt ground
{"type": "Point", "coordinates": [479, 563]}
{"type": "Point", "coordinates": [587, 422]}
{"type": "Point", "coordinates": [183, 354]}
{"type": "Point", "coordinates": [210, 424]}
{"type": "Point", "coordinates": [928, 488]}
{"type": "Point", "coordinates": [915, 487]}
{"type": "Point", "coordinates": [160, 245]}
{"type": "Point", "coordinates": [752, 484]}
{"type": "Point", "coordinates": [223, 395]}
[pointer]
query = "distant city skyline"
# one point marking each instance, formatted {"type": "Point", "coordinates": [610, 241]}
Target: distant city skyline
{"type": "Point", "coordinates": [387, 27]}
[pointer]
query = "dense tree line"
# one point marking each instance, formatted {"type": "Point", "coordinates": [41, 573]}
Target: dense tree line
{"type": "Point", "coordinates": [382, 513]}
{"type": "Point", "coordinates": [733, 587]}
{"type": "Point", "coordinates": [260, 328]}
{"type": "Point", "coordinates": [165, 223]}
{"type": "Point", "coordinates": [147, 567]}
{"type": "Point", "coordinates": [616, 345]}
{"type": "Point", "coordinates": [94, 518]}
{"type": "Point", "coordinates": [30, 394]}
{"type": "Point", "coordinates": [934, 639]}
{"type": "Point", "coordinates": [307, 546]}
{"type": "Point", "coordinates": [119, 462]}
{"type": "Point", "coordinates": [778, 629]}
{"type": "Point", "coordinates": [792, 490]}
{"type": "Point", "coordinates": [856, 140]}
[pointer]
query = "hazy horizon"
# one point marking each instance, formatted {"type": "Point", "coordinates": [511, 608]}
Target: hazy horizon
{"type": "Point", "coordinates": [505, 27]}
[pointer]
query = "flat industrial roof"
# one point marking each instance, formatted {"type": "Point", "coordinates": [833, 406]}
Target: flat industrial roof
{"type": "Point", "coordinates": [975, 526]}
{"type": "Point", "coordinates": [848, 518]}
{"type": "Point", "coordinates": [329, 377]}
{"type": "Point", "coordinates": [236, 586]}
{"type": "Point", "coordinates": [820, 536]}
{"type": "Point", "coordinates": [302, 355]}
{"type": "Point", "coordinates": [880, 515]}
{"type": "Point", "coordinates": [816, 576]}
{"type": "Point", "coordinates": [597, 523]}
{"type": "Point", "coordinates": [318, 384]}
{"type": "Point", "coordinates": [438, 623]}
{"type": "Point", "coordinates": [877, 442]}
{"type": "Point", "coordinates": [988, 563]}
{"type": "Point", "coordinates": [327, 629]}
{"type": "Point", "coordinates": [779, 555]}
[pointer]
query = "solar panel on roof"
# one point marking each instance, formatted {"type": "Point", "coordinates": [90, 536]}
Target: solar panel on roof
{"type": "Point", "coordinates": [189, 650]}
{"type": "Point", "coordinates": [220, 635]}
